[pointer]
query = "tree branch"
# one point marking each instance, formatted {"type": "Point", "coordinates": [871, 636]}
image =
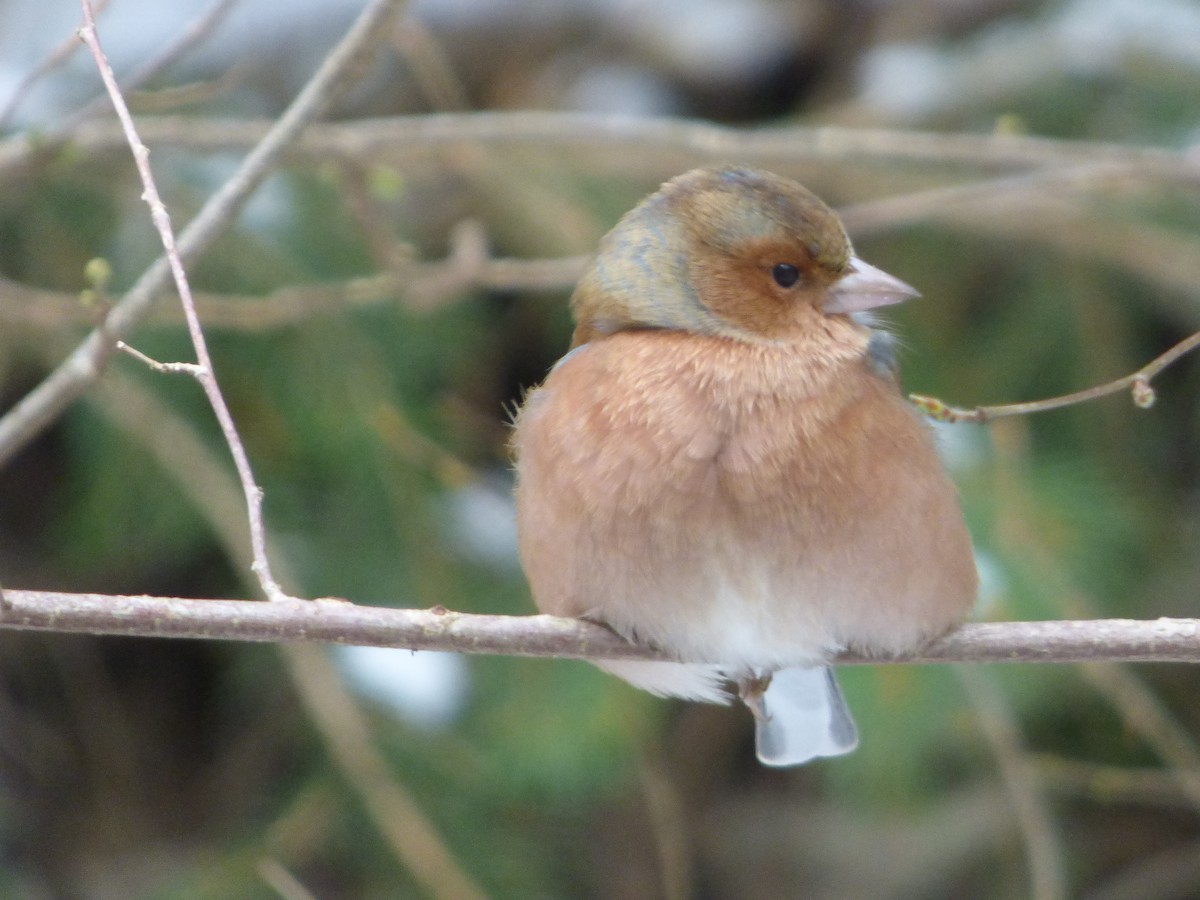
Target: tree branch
{"type": "Point", "coordinates": [81, 369]}
{"type": "Point", "coordinates": [1042, 836]}
{"type": "Point", "coordinates": [341, 622]}
{"type": "Point", "coordinates": [1138, 383]}
{"type": "Point", "coordinates": [634, 145]}
{"type": "Point", "coordinates": [56, 58]}
{"type": "Point", "coordinates": [195, 33]}
{"type": "Point", "coordinates": [422, 286]}
{"type": "Point", "coordinates": [202, 370]}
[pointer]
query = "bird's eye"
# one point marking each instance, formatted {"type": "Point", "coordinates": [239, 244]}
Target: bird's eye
{"type": "Point", "coordinates": [785, 275]}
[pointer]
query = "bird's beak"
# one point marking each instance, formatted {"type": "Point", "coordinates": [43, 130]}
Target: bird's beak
{"type": "Point", "coordinates": [865, 287]}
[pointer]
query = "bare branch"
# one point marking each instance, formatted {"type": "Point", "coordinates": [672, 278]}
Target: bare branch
{"type": "Point", "coordinates": [646, 147]}
{"type": "Point", "coordinates": [213, 490]}
{"type": "Point", "coordinates": [341, 622]}
{"type": "Point", "coordinates": [194, 34]}
{"type": "Point", "coordinates": [422, 285]}
{"type": "Point", "coordinates": [1043, 840]}
{"type": "Point", "coordinates": [202, 370]}
{"type": "Point", "coordinates": [42, 405]}
{"type": "Point", "coordinates": [430, 65]}
{"type": "Point", "coordinates": [1143, 713]}
{"type": "Point", "coordinates": [1138, 383]}
{"type": "Point", "coordinates": [1161, 257]}
{"type": "Point", "coordinates": [58, 56]}
{"type": "Point", "coordinates": [197, 466]}
{"type": "Point", "coordinates": [1111, 784]}
{"type": "Point", "coordinates": [171, 368]}
{"type": "Point", "coordinates": [347, 733]}
{"type": "Point", "coordinates": [1015, 192]}
{"type": "Point", "coordinates": [283, 882]}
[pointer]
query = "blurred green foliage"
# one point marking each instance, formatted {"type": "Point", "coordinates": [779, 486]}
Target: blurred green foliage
{"type": "Point", "coordinates": [365, 426]}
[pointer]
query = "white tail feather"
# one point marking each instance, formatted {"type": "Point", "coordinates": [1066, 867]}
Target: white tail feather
{"type": "Point", "coordinates": [802, 716]}
{"type": "Point", "coordinates": [689, 681]}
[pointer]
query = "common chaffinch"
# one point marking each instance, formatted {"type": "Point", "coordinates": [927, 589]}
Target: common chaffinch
{"type": "Point", "coordinates": [723, 466]}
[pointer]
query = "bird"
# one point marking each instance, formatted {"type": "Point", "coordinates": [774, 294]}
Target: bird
{"type": "Point", "coordinates": [722, 465]}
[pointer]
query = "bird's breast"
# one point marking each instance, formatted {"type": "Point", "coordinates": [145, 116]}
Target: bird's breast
{"type": "Point", "coordinates": [737, 500]}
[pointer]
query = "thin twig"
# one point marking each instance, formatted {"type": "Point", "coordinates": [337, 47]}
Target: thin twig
{"type": "Point", "coordinates": [1166, 258]}
{"type": "Point", "coordinates": [1165, 873]}
{"type": "Point", "coordinates": [422, 285]}
{"type": "Point", "coordinates": [171, 441]}
{"type": "Point", "coordinates": [389, 252]}
{"type": "Point", "coordinates": [668, 824]}
{"type": "Point", "coordinates": [1017, 191]}
{"type": "Point", "coordinates": [1141, 711]}
{"type": "Point", "coordinates": [281, 881]}
{"type": "Point", "coordinates": [647, 147]}
{"type": "Point", "coordinates": [196, 32]}
{"type": "Point", "coordinates": [1162, 257]}
{"type": "Point", "coordinates": [81, 369]}
{"type": "Point", "coordinates": [346, 731]}
{"type": "Point", "coordinates": [1138, 383]}
{"type": "Point", "coordinates": [203, 370]}
{"type": "Point", "coordinates": [1043, 844]}
{"type": "Point", "coordinates": [57, 57]}
{"type": "Point", "coordinates": [215, 493]}
{"type": "Point", "coordinates": [171, 368]}
{"type": "Point", "coordinates": [173, 99]}
{"type": "Point", "coordinates": [342, 622]}
{"type": "Point", "coordinates": [1145, 714]}
{"type": "Point", "coordinates": [189, 38]}
{"type": "Point", "coordinates": [431, 66]}
{"type": "Point", "coordinates": [1110, 785]}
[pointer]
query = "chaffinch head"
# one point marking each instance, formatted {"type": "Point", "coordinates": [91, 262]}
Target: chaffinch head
{"type": "Point", "coordinates": [723, 466]}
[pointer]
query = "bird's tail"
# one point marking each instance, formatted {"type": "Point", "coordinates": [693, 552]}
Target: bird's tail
{"type": "Point", "coordinates": [802, 715]}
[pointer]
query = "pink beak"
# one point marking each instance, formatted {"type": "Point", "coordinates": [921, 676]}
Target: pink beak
{"type": "Point", "coordinates": [865, 287]}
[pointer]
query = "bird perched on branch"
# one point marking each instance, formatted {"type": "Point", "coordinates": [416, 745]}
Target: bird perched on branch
{"type": "Point", "coordinates": [723, 466]}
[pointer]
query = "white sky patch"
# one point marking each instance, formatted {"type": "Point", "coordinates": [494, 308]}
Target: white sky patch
{"type": "Point", "coordinates": [482, 519]}
{"type": "Point", "coordinates": [993, 581]}
{"type": "Point", "coordinates": [961, 445]}
{"type": "Point", "coordinates": [426, 688]}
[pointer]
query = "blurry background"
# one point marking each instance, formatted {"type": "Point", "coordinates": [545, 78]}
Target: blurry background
{"type": "Point", "coordinates": [371, 358]}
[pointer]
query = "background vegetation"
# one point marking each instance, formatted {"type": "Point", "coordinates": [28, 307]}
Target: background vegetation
{"type": "Point", "coordinates": [374, 407]}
